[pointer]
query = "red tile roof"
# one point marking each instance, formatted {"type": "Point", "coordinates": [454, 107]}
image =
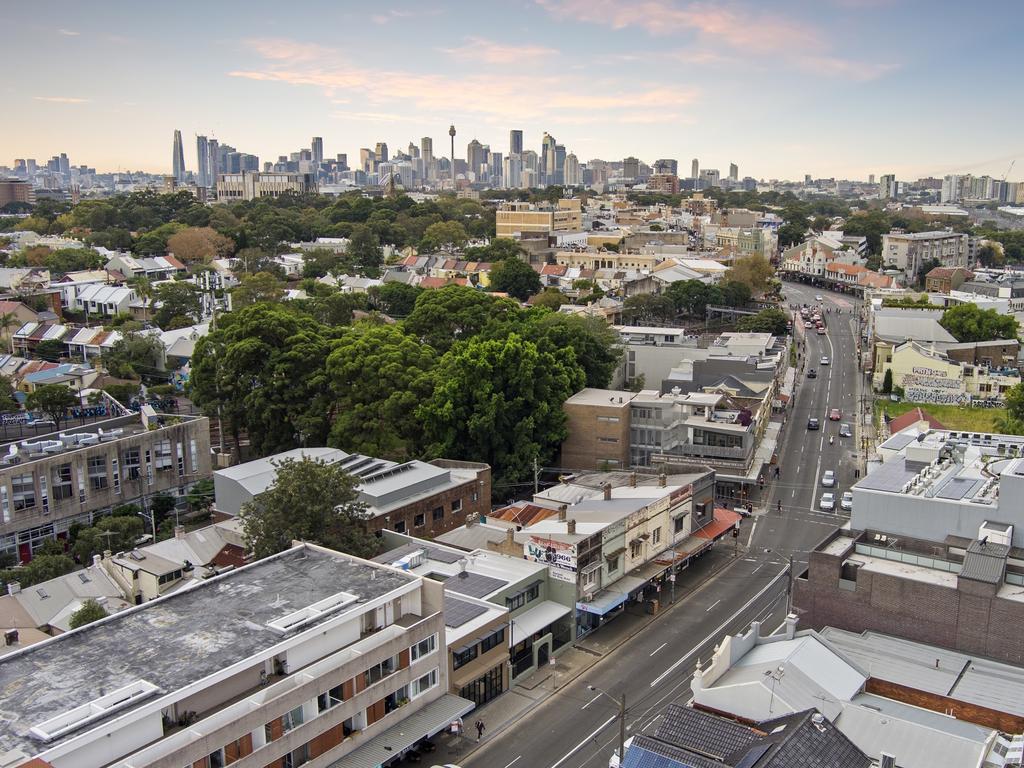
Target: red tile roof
{"type": "Point", "coordinates": [554, 269]}
{"type": "Point", "coordinates": [912, 417]}
{"type": "Point", "coordinates": [523, 513]}
{"type": "Point", "coordinates": [725, 519]}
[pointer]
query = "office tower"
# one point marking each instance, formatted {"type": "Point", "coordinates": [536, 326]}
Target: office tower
{"type": "Point", "coordinates": [513, 171]}
{"type": "Point", "coordinates": [734, 172]}
{"type": "Point", "coordinates": [710, 177]}
{"type": "Point", "coordinates": [572, 171]}
{"type": "Point", "coordinates": [451, 134]}
{"type": "Point", "coordinates": [631, 168]}
{"type": "Point", "coordinates": [414, 151]}
{"type": "Point", "coordinates": [694, 169]}
{"type": "Point", "coordinates": [19, 167]}
{"type": "Point", "coordinates": [547, 159]}
{"type": "Point", "coordinates": [871, 178]}
{"type": "Point", "coordinates": [559, 164]}
{"type": "Point", "coordinates": [807, 179]}
{"type": "Point", "coordinates": [366, 160]}
{"type": "Point", "coordinates": [427, 149]}
{"type": "Point", "coordinates": [381, 152]}
{"type": "Point", "coordinates": [202, 161]}
{"type": "Point", "coordinates": [178, 158]}
{"type": "Point", "coordinates": [515, 142]}
{"type": "Point", "coordinates": [495, 167]}
{"type": "Point", "coordinates": [317, 151]}
{"type": "Point", "coordinates": [887, 187]}
{"type": "Point", "coordinates": [30, 166]}
{"type": "Point", "coordinates": [666, 166]}
{"type": "Point", "coordinates": [475, 156]}
{"type": "Point", "coordinates": [215, 167]}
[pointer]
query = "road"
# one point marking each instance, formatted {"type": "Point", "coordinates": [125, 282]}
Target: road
{"type": "Point", "coordinates": [577, 727]}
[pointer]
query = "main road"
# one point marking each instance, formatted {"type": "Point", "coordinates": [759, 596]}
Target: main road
{"type": "Point", "coordinates": [576, 727]}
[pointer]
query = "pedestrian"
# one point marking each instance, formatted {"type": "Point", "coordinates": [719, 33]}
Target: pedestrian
{"type": "Point", "coordinates": [479, 729]}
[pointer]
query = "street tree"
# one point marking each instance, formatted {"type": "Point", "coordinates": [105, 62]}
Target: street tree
{"type": "Point", "coordinates": [647, 308]}
{"type": "Point", "coordinates": [445, 315]}
{"type": "Point", "coordinates": [199, 245]}
{"type": "Point", "coordinates": [180, 305]}
{"type": "Point", "coordinates": [255, 289]}
{"type": "Point", "coordinates": [968, 322]}
{"type": "Point", "coordinates": [754, 271]}
{"type": "Point", "coordinates": [769, 320]}
{"type": "Point", "coordinates": [396, 299]}
{"type": "Point", "coordinates": [7, 401]}
{"type": "Point", "coordinates": [443, 235]}
{"type": "Point", "coordinates": [516, 278]}
{"type": "Point", "coordinates": [89, 612]}
{"type": "Point", "coordinates": [53, 400]}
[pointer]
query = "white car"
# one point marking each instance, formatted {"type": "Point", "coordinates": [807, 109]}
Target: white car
{"type": "Point", "coordinates": [846, 502]}
{"type": "Point", "coordinates": [828, 478]}
{"type": "Point", "coordinates": [818, 298]}
{"type": "Point", "coordinates": [828, 502]}
{"type": "Point", "coordinates": [825, 360]}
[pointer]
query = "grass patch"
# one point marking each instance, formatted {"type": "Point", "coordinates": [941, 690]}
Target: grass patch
{"type": "Point", "coordinates": [952, 416]}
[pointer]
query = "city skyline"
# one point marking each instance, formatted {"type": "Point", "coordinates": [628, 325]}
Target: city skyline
{"type": "Point", "coordinates": [842, 92]}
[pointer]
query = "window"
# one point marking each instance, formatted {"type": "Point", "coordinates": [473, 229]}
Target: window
{"type": "Point", "coordinates": [379, 671]}
{"type": "Point", "coordinates": [215, 759]}
{"type": "Point", "coordinates": [492, 640]}
{"type": "Point", "coordinates": [678, 524]}
{"type": "Point", "coordinates": [656, 535]}
{"type": "Point", "coordinates": [23, 491]}
{"type": "Point", "coordinates": [162, 455]}
{"type": "Point", "coordinates": [331, 698]}
{"type": "Point", "coordinates": [486, 687]}
{"type": "Point", "coordinates": [63, 486]}
{"type": "Point", "coordinates": [457, 505]}
{"type": "Point", "coordinates": [423, 648]}
{"type": "Point", "coordinates": [613, 563]}
{"type": "Point", "coordinates": [292, 719]}
{"type": "Point", "coordinates": [518, 600]}
{"type": "Point", "coordinates": [169, 577]}
{"type": "Point", "coordinates": [589, 580]}
{"type": "Point", "coordinates": [420, 520]}
{"type": "Point", "coordinates": [97, 472]}
{"type": "Point", "coordinates": [400, 526]}
{"type": "Point", "coordinates": [636, 548]}
{"type": "Point", "coordinates": [607, 439]}
{"type": "Point", "coordinates": [464, 655]}
{"type": "Point", "coordinates": [438, 513]}
{"type": "Point", "coordinates": [424, 684]}
{"type": "Point", "coordinates": [608, 419]}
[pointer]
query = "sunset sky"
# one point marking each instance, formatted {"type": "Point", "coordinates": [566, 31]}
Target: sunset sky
{"type": "Point", "coordinates": [782, 87]}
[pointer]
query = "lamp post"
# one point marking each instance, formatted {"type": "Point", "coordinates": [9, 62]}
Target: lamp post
{"type": "Point", "coordinates": [621, 702]}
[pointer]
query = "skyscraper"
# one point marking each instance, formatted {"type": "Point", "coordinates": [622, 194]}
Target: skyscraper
{"type": "Point", "coordinates": [476, 156]}
{"type": "Point", "coordinates": [572, 171]}
{"type": "Point", "coordinates": [515, 142]}
{"type": "Point", "coordinates": [215, 164]}
{"type": "Point", "coordinates": [381, 152]}
{"type": "Point", "coordinates": [631, 168]}
{"type": "Point", "coordinates": [427, 149]}
{"type": "Point", "coordinates": [318, 151]}
{"type": "Point", "coordinates": [547, 159]}
{"type": "Point", "coordinates": [887, 187]}
{"type": "Point", "coordinates": [559, 164]}
{"type": "Point", "coordinates": [202, 162]}
{"type": "Point", "coordinates": [694, 169]}
{"type": "Point", "coordinates": [734, 172]}
{"type": "Point", "coordinates": [178, 158]}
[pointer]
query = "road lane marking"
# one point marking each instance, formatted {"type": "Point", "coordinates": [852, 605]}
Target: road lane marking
{"type": "Point", "coordinates": [583, 743]}
{"type": "Point", "coordinates": [708, 610]}
{"type": "Point", "coordinates": [657, 649]}
{"type": "Point", "coordinates": [514, 762]}
{"type": "Point", "coordinates": [591, 701]}
{"type": "Point", "coordinates": [757, 569]}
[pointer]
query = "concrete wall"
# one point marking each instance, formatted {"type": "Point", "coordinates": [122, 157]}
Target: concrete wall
{"type": "Point", "coordinates": [588, 445]}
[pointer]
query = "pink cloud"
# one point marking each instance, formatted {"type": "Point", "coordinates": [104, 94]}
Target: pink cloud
{"type": "Point", "coordinates": [482, 50]}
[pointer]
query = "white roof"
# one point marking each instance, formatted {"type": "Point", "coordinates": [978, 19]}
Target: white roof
{"type": "Point", "coordinates": [106, 294]}
{"type": "Point", "coordinates": [535, 619]}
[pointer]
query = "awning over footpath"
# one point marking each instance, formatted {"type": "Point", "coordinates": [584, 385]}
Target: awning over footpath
{"type": "Point", "coordinates": [534, 620]}
{"type": "Point", "coordinates": [725, 520]}
{"type": "Point", "coordinates": [611, 598]}
{"type": "Point", "coordinates": [391, 743]}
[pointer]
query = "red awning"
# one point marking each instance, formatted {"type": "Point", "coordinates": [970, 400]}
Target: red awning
{"type": "Point", "coordinates": [724, 521]}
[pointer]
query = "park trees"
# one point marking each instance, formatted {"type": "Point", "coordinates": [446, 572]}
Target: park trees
{"type": "Point", "coordinates": [54, 400]}
{"type": "Point", "coordinates": [967, 322]}
{"type": "Point", "coordinates": [516, 278]}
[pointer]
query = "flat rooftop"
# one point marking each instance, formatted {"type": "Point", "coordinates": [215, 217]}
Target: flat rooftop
{"type": "Point", "coordinates": [592, 396]}
{"type": "Point", "coordinates": [178, 640]}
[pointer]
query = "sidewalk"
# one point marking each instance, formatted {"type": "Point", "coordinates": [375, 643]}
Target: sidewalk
{"type": "Point", "coordinates": [510, 707]}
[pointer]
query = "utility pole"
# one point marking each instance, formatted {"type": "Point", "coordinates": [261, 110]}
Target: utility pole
{"type": "Point", "coordinates": [536, 477]}
{"type": "Point", "coordinates": [789, 587]}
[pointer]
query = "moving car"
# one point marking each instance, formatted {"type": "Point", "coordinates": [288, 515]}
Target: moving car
{"type": "Point", "coordinates": [828, 478]}
{"type": "Point", "coordinates": [835, 415]}
{"type": "Point", "coordinates": [812, 374]}
{"type": "Point", "coordinates": [807, 324]}
{"type": "Point", "coordinates": [845, 431]}
{"type": "Point", "coordinates": [847, 501]}
{"type": "Point", "coordinates": [824, 360]}
{"type": "Point", "coordinates": [828, 502]}
{"type": "Point", "coordinates": [818, 298]}
{"type": "Point", "coordinates": [813, 423]}
{"type": "Point", "coordinates": [821, 330]}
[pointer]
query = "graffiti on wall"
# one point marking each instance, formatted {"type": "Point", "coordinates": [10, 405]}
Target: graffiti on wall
{"type": "Point", "coordinates": [934, 385]}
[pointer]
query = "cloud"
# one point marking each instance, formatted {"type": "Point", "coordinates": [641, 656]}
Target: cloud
{"type": "Point", "coordinates": [61, 99]}
{"type": "Point", "coordinates": [512, 98]}
{"type": "Point", "coordinates": [396, 14]}
{"type": "Point", "coordinates": [483, 51]}
{"type": "Point", "coordinates": [67, 32]}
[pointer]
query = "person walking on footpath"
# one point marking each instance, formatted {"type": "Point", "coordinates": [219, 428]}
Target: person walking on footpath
{"type": "Point", "coordinates": [479, 729]}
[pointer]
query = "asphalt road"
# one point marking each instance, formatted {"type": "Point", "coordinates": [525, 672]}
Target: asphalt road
{"type": "Point", "coordinates": [577, 727]}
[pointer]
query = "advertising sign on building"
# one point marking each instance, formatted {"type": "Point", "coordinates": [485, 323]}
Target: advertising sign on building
{"type": "Point", "coordinates": [555, 553]}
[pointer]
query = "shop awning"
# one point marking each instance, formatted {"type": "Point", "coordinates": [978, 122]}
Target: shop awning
{"type": "Point", "coordinates": [725, 520]}
{"type": "Point", "coordinates": [611, 598]}
{"type": "Point", "coordinates": [388, 744]}
{"type": "Point", "coordinates": [534, 620]}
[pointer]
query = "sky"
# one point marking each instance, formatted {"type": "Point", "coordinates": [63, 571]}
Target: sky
{"type": "Point", "coordinates": [842, 88]}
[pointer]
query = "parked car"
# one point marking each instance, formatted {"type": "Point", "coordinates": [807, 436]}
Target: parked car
{"type": "Point", "coordinates": [828, 502]}
{"type": "Point", "coordinates": [845, 431]}
{"type": "Point", "coordinates": [835, 415]}
{"type": "Point", "coordinates": [813, 423]}
{"type": "Point", "coordinates": [825, 360]}
{"type": "Point", "coordinates": [846, 502]}
{"type": "Point", "coordinates": [828, 478]}
{"type": "Point", "coordinates": [818, 298]}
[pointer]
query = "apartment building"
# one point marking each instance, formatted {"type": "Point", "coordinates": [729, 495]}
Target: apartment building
{"type": "Point", "coordinates": [309, 657]}
{"type": "Point", "coordinates": [417, 497]}
{"type": "Point", "coordinates": [593, 259]}
{"type": "Point", "coordinates": [252, 185]}
{"type": "Point", "coordinates": [946, 279]}
{"type": "Point", "coordinates": [663, 183]}
{"type": "Point", "coordinates": [53, 481]}
{"type": "Point", "coordinates": [512, 220]}
{"type": "Point", "coordinates": [16, 191]}
{"type": "Point", "coordinates": [928, 375]}
{"type": "Point", "coordinates": [909, 251]}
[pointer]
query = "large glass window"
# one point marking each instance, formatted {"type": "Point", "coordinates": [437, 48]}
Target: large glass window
{"type": "Point", "coordinates": [97, 472]}
{"type": "Point", "coordinates": [485, 687]}
{"type": "Point", "coordinates": [463, 656]}
{"type": "Point", "coordinates": [492, 640]}
{"type": "Point", "coordinates": [423, 648]}
{"type": "Point", "coordinates": [63, 484]}
{"type": "Point", "coordinates": [331, 698]}
{"type": "Point", "coordinates": [162, 455]}
{"type": "Point", "coordinates": [23, 491]}
{"type": "Point", "coordinates": [423, 684]}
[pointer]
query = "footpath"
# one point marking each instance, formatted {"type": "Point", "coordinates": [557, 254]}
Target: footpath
{"type": "Point", "coordinates": [528, 694]}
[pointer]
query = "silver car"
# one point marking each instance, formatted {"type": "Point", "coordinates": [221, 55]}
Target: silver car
{"type": "Point", "coordinates": [828, 502]}
{"type": "Point", "coordinates": [828, 478]}
{"type": "Point", "coordinates": [845, 431]}
{"type": "Point", "coordinates": [846, 502]}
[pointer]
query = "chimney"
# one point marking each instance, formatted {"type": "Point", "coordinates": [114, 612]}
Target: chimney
{"type": "Point", "coordinates": [791, 622]}
{"type": "Point", "coordinates": [107, 554]}
{"type": "Point", "coordinates": [570, 527]}
{"type": "Point", "coordinates": [179, 531]}
{"type": "Point", "coordinates": [697, 684]}
{"type": "Point", "coordinates": [13, 587]}
{"type": "Point", "coordinates": [96, 560]}
{"type": "Point", "coordinates": [562, 510]}
{"type": "Point", "coordinates": [662, 479]}
{"type": "Point", "coordinates": [632, 479]}
{"type": "Point", "coordinates": [510, 536]}
{"type": "Point", "coordinates": [887, 761]}
{"type": "Point", "coordinates": [607, 491]}
{"type": "Point", "coordinates": [470, 521]}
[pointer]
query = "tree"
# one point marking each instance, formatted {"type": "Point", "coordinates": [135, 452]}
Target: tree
{"type": "Point", "coordinates": [969, 323]}
{"type": "Point", "coordinates": [134, 355]}
{"type": "Point", "coordinates": [690, 297]}
{"type": "Point", "coordinates": [791, 233]}
{"type": "Point", "coordinates": [379, 375]}
{"type": "Point", "coordinates": [516, 278]}
{"type": "Point", "coordinates": [199, 245]}
{"type": "Point", "coordinates": [443, 235]}
{"type": "Point", "coordinates": [754, 271]}
{"type": "Point", "coordinates": [396, 299]}
{"type": "Point", "coordinates": [593, 341]}
{"type": "Point", "coordinates": [550, 298]}
{"type": "Point", "coordinates": [9, 321]}
{"type": "Point", "coordinates": [766, 321]}
{"type": "Point", "coordinates": [118, 533]}
{"type": "Point", "coordinates": [1014, 399]}
{"type": "Point", "coordinates": [734, 293]}
{"type": "Point", "coordinates": [321, 261]}
{"type": "Point", "coordinates": [309, 501]}
{"type": "Point", "coordinates": [256, 289]}
{"type": "Point", "coordinates": [155, 241]}
{"type": "Point", "coordinates": [498, 249]}
{"type": "Point", "coordinates": [443, 316]}
{"type": "Point", "coordinates": [53, 400]}
{"type": "Point", "coordinates": [1007, 424]}
{"type": "Point", "coordinates": [7, 401]}
{"type": "Point", "coordinates": [179, 301]}
{"type": "Point", "coordinates": [200, 496]}
{"type": "Point", "coordinates": [89, 612]}
{"type": "Point", "coordinates": [51, 349]}
{"type": "Point", "coordinates": [991, 256]}
{"type": "Point", "coordinates": [887, 381]}
{"type": "Point", "coordinates": [645, 308]}
{"type": "Point", "coordinates": [42, 567]}
{"type": "Point", "coordinates": [365, 251]}
{"type": "Point", "coordinates": [500, 401]}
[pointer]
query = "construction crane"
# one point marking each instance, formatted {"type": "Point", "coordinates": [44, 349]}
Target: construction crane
{"type": "Point", "coordinates": [1012, 163]}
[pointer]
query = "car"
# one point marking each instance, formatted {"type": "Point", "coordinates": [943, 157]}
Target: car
{"type": "Point", "coordinates": [846, 502]}
{"type": "Point", "coordinates": [835, 415]}
{"type": "Point", "coordinates": [827, 502]}
{"type": "Point", "coordinates": [821, 330]}
{"type": "Point", "coordinates": [825, 360]}
{"type": "Point", "coordinates": [828, 478]}
{"type": "Point", "coordinates": [807, 324]}
{"type": "Point", "coordinates": [818, 298]}
{"type": "Point", "coordinates": [813, 423]}
{"type": "Point", "coordinates": [812, 374]}
{"type": "Point", "coordinates": [845, 430]}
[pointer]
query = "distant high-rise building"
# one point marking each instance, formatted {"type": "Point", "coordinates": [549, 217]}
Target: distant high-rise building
{"type": "Point", "coordinates": [515, 142]}
{"type": "Point", "coordinates": [512, 175]}
{"type": "Point", "coordinates": [734, 172]}
{"type": "Point", "coordinates": [807, 179]}
{"type": "Point", "coordinates": [531, 163]}
{"type": "Point", "coordinates": [178, 158]}
{"type": "Point", "coordinates": [871, 178]}
{"type": "Point", "coordinates": [887, 187]}
{"type": "Point", "coordinates": [202, 161]}
{"type": "Point", "coordinates": [427, 148]}
{"type": "Point", "coordinates": [631, 168]}
{"type": "Point", "coordinates": [572, 171]}
{"type": "Point", "coordinates": [666, 165]}
{"type": "Point", "coordinates": [414, 151]}
{"type": "Point", "coordinates": [381, 152]}
{"type": "Point", "coordinates": [475, 156]}
{"type": "Point", "coordinates": [694, 169]}
{"type": "Point", "coordinates": [367, 161]}
{"type": "Point", "coordinates": [213, 147]}
{"type": "Point", "coordinates": [495, 168]}
{"type": "Point", "coordinates": [710, 177]}
{"type": "Point", "coordinates": [547, 159]}
{"type": "Point", "coordinates": [342, 161]}
{"type": "Point", "coordinates": [559, 177]}
{"type": "Point", "coordinates": [317, 151]}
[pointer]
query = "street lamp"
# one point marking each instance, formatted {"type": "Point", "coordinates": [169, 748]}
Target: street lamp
{"type": "Point", "coordinates": [621, 702]}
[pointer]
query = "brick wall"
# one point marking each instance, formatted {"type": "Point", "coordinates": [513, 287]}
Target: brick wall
{"type": "Point", "coordinates": [961, 710]}
{"type": "Point", "coordinates": [472, 497]}
{"type": "Point", "coordinates": [588, 445]}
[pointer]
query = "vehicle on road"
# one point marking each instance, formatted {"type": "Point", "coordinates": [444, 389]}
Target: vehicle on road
{"type": "Point", "coordinates": [821, 330]}
{"type": "Point", "coordinates": [845, 431]}
{"type": "Point", "coordinates": [827, 502]}
{"type": "Point", "coordinates": [825, 360]}
{"type": "Point", "coordinates": [846, 502]}
{"type": "Point", "coordinates": [812, 374]}
{"type": "Point", "coordinates": [828, 478]}
{"type": "Point", "coordinates": [807, 324]}
{"type": "Point", "coordinates": [813, 423]}
{"type": "Point", "coordinates": [835, 415]}
{"type": "Point", "coordinates": [818, 298]}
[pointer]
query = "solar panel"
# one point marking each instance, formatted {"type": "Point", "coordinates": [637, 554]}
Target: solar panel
{"type": "Point", "coordinates": [458, 612]}
{"type": "Point", "coordinates": [473, 584]}
{"type": "Point", "coordinates": [755, 754]}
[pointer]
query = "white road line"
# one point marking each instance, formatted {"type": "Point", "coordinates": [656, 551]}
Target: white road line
{"type": "Point", "coordinates": [718, 631]}
{"type": "Point", "coordinates": [514, 762]}
{"type": "Point", "coordinates": [708, 609]}
{"type": "Point", "coordinates": [757, 569]}
{"type": "Point", "coordinates": [657, 649]}
{"type": "Point", "coordinates": [591, 701]}
{"type": "Point", "coordinates": [583, 743]}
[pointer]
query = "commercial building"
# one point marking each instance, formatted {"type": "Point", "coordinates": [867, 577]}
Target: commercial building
{"type": "Point", "coordinates": [16, 191]}
{"type": "Point", "coordinates": [909, 251]}
{"type": "Point", "coordinates": [928, 375]}
{"type": "Point", "coordinates": [663, 183]}
{"type": "Point", "coordinates": [251, 185]}
{"type": "Point", "coordinates": [415, 497]}
{"type": "Point", "coordinates": [515, 219]}
{"type": "Point", "coordinates": [56, 480]}
{"type": "Point", "coordinates": [307, 657]}
{"type": "Point", "coordinates": [178, 158]}
{"type": "Point", "coordinates": [946, 279]}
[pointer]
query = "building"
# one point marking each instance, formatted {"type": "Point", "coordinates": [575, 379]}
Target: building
{"type": "Point", "coordinates": [317, 151]}
{"type": "Point", "coordinates": [909, 251]}
{"type": "Point", "coordinates": [309, 656]}
{"type": "Point", "coordinates": [946, 279]}
{"type": "Point", "coordinates": [515, 142]}
{"type": "Point", "coordinates": [813, 256]}
{"type": "Point", "coordinates": [515, 219]}
{"type": "Point", "coordinates": [631, 168]}
{"type": "Point", "coordinates": [573, 177]}
{"type": "Point", "coordinates": [424, 499]}
{"type": "Point", "coordinates": [16, 191]}
{"type": "Point", "coordinates": [927, 375]}
{"type": "Point", "coordinates": [56, 480]}
{"type": "Point", "coordinates": [598, 424]}
{"type": "Point", "coordinates": [887, 187]}
{"type": "Point", "coordinates": [204, 174]}
{"type": "Point", "coordinates": [734, 172]}
{"type": "Point", "coordinates": [178, 159]}
{"type": "Point", "coordinates": [663, 183]}
{"type": "Point", "coordinates": [250, 185]}
{"type": "Point", "coordinates": [151, 267]}
{"type": "Point", "coordinates": [695, 169]}
{"type": "Point", "coordinates": [102, 300]}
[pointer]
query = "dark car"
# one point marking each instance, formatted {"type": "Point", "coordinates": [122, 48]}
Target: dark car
{"type": "Point", "coordinates": [813, 423]}
{"type": "Point", "coordinates": [812, 374]}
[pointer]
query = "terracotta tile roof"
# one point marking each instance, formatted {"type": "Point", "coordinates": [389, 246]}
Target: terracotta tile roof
{"type": "Point", "coordinates": [850, 269]}
{"type": "Point", "coordinates": [433, 282]}
{"type": "Point", "coordinates": [523, 513]}
{"type": "Point", "coordinates": [174, 262]}
{"type": "Point", "coordinates": [554, 269]}
{"type": "Point", "coordinates": [912, 417]}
